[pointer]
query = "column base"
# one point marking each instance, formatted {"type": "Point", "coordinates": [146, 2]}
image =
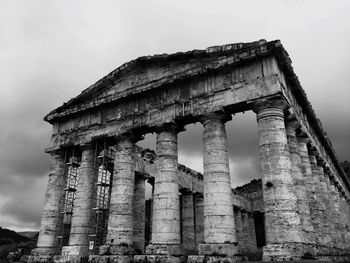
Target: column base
{"type": "Point", "coordinates": [218, 249]}
{"type": "Point", "coordinates": [117, 249]}
{"type": "Point", "coordinates": [164, 249]}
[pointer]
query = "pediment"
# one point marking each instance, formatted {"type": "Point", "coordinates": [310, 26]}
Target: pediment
{"type": "Point", "coordinates": [149, 72]}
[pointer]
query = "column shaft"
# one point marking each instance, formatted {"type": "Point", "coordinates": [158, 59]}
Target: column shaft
{"type": "Point", "coordinates": [199, 219]}
{"type": "Point", "coordinates": [239, 228]}
{"type": "Point", "coordinates": [302, 205]}
{"type": "Point", "coordinates": [309, 186]}
{"type": "Point", "coordinates": [188, 235]}
{"type": "Point", "coordinates": [139, 210]}
{"type": "Point", "coordinates": [245, 232]}
{"type": "Point", "coordinates": [327, 215]}
{"type": "Point", "coordinates": [316, 206]}
{"type": "Point", "coordinates": [218, 213]}
{"type": "Point", "coordinates": [51, 220]}
{"type": "Point", "coordinates": [251, 230]}
{"type": "Point", "coordinates": [121, 217]}
{"type": "Point", "coordinates": [166, 206]}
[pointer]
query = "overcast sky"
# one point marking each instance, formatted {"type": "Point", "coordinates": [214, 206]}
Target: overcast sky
{"type": "Point", "coordinates": [51, 50]}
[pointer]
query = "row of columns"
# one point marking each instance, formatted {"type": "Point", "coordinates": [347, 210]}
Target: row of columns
{"type": "Point", "coordinates": [292, 191]}
{"type": "Point", "coordinates": [300, 214]}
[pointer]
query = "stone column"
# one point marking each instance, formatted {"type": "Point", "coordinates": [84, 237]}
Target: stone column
{"type": "Point", "coordinates": [239, 228]}
{"type": "Point", "coordinates": [252, 235]}
{"type": "Point", "coordinates": [327, 215]}
{"type": "Point", "coordinates": [337, 236]}
{"type": "Point", "coordinates": [245, 232]}
{"type": "Point", "coordinates": [121, 217]}
{"type": "Point", "coordinates": [316, 206]}
{"type": "Point", "coordinates": [81, 225]}
{"type": "Point", "coordinates": [139, 210]}
{"type": "Point", "coordinates": [282, 222]}
{"type": "Point", "coordinates": [299, 183]}
{"type": "Point", "coordinates": [309, 186]}
{"type": "Point", "coordinates": [219, 228]}
{"type": "Point", "coordinates": [188, 235]}
{"type": "Point", "coordinates": [166, 235]}
{"type": "Point", "coordinates": [199, 219]}
{"type": "Point", "coordinates": [51, 220]}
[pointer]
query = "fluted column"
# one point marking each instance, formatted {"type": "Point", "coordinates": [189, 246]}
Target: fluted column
{"type": "Point", "coordinates": [51, 219]}
{"type": "Point", "coordinates": [188, 227]}
{"type": "Point", "coordinates": [219, 228]}
{"type": "Point", "coordinates": [120, 222]}
{"type": "Point", "coordinates": [82, 220]}
{"type": "Point", "coordinates": [282, 222]}
{"type": "Point", "coordinates": [166, 207]}
{"type": "Point", "coordinates": [139, 210]}
{"type": "Point", "coordinates": [299, 183]}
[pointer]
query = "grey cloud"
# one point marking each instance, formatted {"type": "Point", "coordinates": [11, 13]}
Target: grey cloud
{"type": "Point", "coordinates": [49, 52]}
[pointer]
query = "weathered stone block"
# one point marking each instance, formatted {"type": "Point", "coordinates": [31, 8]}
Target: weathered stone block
{"type": "Point", "coordinates": [223, 250]}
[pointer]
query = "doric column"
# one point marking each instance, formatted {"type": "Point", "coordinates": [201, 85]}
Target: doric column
{"type": "Point", "coordinates": [82, 219]}
{"type": "Point", "coordinates": [239, 228]}
{"type": "Point", "coordinates": [316, 206]}
{"type": "Point", "coordinates": [251, 230]}
{"type": "Point", "coordinates": [139, 210]}
{"type": "Point", "coordinates": [219, 228]}
{"type": "Point", "coordinates": [188, 235]}
{"type": "Point", "coordinates": [51, 220]}
{"type": "Point", "coordinates": [282, 222]}
{"type": "Point", "coordinates": [330, 210]}
{"type": "Point", "coordinates": [245, 232]}
{"type": "Point", "coordinates": [166, 207]}
{"type": "Point", "coordinates": [309, 184]}
{"type": "Point", "coordinates": [337, 236]}
{"type": "Point", "coordinates": [120, 222]}
{"type": "Point", "coordinates": [299, 182]}
{"type": "Point", "coordinates": [199, 219]}
{"type": "Point", "coordinates": [327, 215]}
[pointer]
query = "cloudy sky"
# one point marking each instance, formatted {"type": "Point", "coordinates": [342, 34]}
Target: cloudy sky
{"type": "Point", "coordinates": [51, 50]}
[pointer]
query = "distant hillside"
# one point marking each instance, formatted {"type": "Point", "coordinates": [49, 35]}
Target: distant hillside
{"type": "Point", "coordinates": [28, 234]}
{"type": "Point", "coordinates": [9, 235]}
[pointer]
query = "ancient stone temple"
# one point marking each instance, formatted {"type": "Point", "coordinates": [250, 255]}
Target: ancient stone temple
{"type": "Point", "coordinates": [95, 206]}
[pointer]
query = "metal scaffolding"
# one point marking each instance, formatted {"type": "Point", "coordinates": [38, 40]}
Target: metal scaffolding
{"type": "Point", "coordinates": [72, 168]}
{"type": "Point", "coordinates": [104, 162]}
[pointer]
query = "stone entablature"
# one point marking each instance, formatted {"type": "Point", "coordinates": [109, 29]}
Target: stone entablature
{"type": "Point", "coordinates": [305, 192]}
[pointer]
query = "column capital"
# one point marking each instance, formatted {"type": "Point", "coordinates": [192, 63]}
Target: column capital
{"type": "Point", "coordinates": [321, 160]}
{"type": "Point", "coordinates": [87, 146]}
{"type": "Point", "coordinates": [312, 151]}
{"type": "Point", "coordinates": [292, 124]}
{"type": "Point", "coordinates": [270, 103]}
{"type": "Point", "coordinates": [170, 127]}
{"type": "Point", "coordinates": [132, 136]}
{"type": "Point", "coordinates": [55, 151]}
{"type": "Point", "coordinates": [302, 139]}
{"type": "Point", "coordinates": [221, 116]}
